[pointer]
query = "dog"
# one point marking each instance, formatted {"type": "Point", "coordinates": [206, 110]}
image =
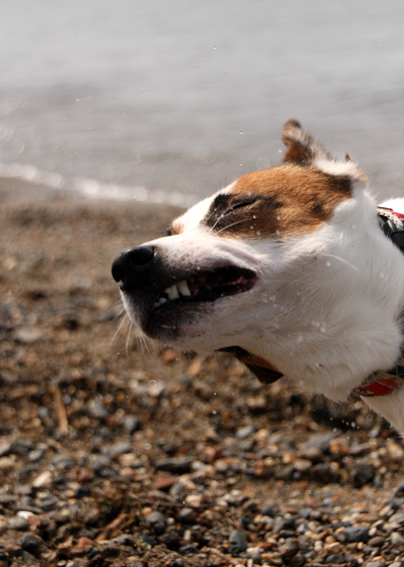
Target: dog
{"type": "Point", "coordinates": [293, 270]}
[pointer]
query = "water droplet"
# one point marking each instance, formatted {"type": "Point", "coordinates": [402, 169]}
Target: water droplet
{"type": "Point", "coordinates": [328, 263]}
{"type": "Point", "coordinates": [241, 131]}
{"type": "Point", "coordinates": [214, 47]}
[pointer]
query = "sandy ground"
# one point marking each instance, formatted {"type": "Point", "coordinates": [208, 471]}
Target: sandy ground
{"type": "Point", "coordinates": [116, 452]}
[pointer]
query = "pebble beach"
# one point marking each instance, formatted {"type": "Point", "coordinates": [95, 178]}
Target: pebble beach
{"type": "Point", "coordinates": [120, 452]}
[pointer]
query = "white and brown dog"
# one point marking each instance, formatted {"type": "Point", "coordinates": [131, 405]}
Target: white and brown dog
{"type": "Point", "coordinates": [289, 270]}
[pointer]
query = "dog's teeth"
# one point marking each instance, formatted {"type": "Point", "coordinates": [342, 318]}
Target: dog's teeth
{"type": "Point", "coordinates": [183, 288]}
{"type": "Point", "coordinates": [172, 292]}
{"type": "Point", "coordinates": [162, 300]}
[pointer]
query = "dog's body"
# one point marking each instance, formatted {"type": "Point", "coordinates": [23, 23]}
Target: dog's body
{"type": "Point", "coordinates": [288, 269]}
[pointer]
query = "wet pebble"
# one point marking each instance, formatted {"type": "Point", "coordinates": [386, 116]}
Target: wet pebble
{"type": "Point", "coordinates": [120, 449]}
{"type": "Point", "coordinates": [30, 542]}
{"type": "Point", "coordinates": [177, 465]}
{"type": "Point", "coordinates": [100, 462]}
{"type": "Point", "coordinates": [356, 534]}
{"type": "Point", "coordinates": [43, 480]}
{"type": "Point", "coordinates": [18, 523]}
{"type": "Point", "coordinates": [361, 474]}
{"type": "Point", "coordinates": [97, 410]}
{"type": "Point", "coordinates": [244, 432]}
{"type": "Point", "coordinates": [238, 542]}
{"type": "Point", "coordinates": [131, 423]}
{"type": "Point", "coordinates": [187, 515]}
{"type": "Point", "coordinates": [396, 539]}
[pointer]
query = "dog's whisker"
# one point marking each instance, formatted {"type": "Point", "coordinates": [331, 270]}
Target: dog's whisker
{"type": "Point", "coordinates": [118, 315]}
{"type": "Point", "coordinates": [230, 225]}
{"type": "Point", "coordinates": [119, 328]}
{"type": "Point", "coordinates": [341, 260]}
{"type": "Point", "coordinates": [128, 337]}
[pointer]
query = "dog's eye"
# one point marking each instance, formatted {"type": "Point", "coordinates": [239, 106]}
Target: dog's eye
{"type": "Point", "coordinates": [240, 204]}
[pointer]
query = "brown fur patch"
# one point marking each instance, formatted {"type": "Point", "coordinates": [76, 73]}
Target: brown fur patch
{"type": "Point", "coordinates": [176, 228]}
{"type": "Point", "coordinates": [285, 200]}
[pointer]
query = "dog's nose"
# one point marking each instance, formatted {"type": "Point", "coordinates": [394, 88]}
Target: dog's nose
{"type": "Point", "coordinates": [131, 261]}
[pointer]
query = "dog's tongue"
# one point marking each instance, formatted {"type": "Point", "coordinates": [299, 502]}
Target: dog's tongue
{"type": "Point", "coordinates": [262, 369]}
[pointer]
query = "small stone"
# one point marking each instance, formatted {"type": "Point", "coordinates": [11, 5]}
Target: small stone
{"type": "Point", "coordinates": [5, 447]}
{"type": "Point", "coordinates": [187, 516]}
{"type": "Point", "coordinates": [194, 499]}
{"type": "Point", "coordinates": [120, 449]}
{"type": "Point", "coordinates": [297, 560]}
{"type": "Point", "coordinates": [356, 534]}
{"type": "Point", "coordinates": [376, 541]}
{"type": "Point", "coordinates": [238, 542]}
{"type": "Point", "coordinates": [361, 474]}
{"type": "Point", "coordinates": [7, 463]}
{"type": "Point", "coordinates": [18, 523]}
{"type": "Point", "coordinates": [30, 542]}
{"type": "Point", "coordinates": [84, 542]}
{"type": "Point", "coordinates": [100, 462]}
{"type": "Point", "coordinates": [321, 440]}
{"type": "Point", "coordinates": [177, 465]}
{"type": "Point", "coordinates": [150, 540]}
{"type": "Point", "coordinates": [131, 423]}
{"type": "Point", "coordinates": [188, 549]}
{"type": "Point", "coordinates": [287, 550]}
{"type": "Point", "coordinates": [164, 482]}
{"type": "Point", "coordinates": [244, 432]}
{"type": "Point", "coordinates": [62, 462]}
{"type": "Point", "coordinates": [36, 455]}
{"type": "Point", "coordinates": [325, 473]}
{"type": "Point", "coordinates": [396, 539]}
{"type": "Point", "coordinates": [28, 335]}
{"type": "Point", "coordinates": [155, 517]}
{"type": "Point", "coordinates": [397, 519]}
{"type": "Point", "coordinates": [97, 410]}
{"type": "Point", "coordinates": [44, 480]}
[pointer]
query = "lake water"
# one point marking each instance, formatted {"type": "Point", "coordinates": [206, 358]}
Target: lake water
{"type": "Point", "coordinates": [168, 101]}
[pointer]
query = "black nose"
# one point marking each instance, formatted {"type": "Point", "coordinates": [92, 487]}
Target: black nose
{"type": "Point", "coordinates": [131, 261]}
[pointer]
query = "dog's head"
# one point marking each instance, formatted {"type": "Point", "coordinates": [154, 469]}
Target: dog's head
{"type": "Point", "coordinates": [260, 269]}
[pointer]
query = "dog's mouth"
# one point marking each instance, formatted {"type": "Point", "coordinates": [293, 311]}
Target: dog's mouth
{"type": "Point", "coordinates": [183, 298]}
{"type": "Point", "coordinates": [206, 286]}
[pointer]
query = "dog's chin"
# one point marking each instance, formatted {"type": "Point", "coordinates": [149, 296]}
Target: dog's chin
{"type": "Point", "coordinates": [177, 322]}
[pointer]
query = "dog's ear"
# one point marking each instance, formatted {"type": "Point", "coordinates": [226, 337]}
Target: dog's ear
{"type": "Point", "coordinates": [302, 148]}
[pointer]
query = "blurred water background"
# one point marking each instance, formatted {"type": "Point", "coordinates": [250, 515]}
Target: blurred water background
{"type": "Point", "coordinates": [167, 101]}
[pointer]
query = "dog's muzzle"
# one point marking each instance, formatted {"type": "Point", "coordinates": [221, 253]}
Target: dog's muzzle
{"type": "Point", "coordinates": [159, 296]}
